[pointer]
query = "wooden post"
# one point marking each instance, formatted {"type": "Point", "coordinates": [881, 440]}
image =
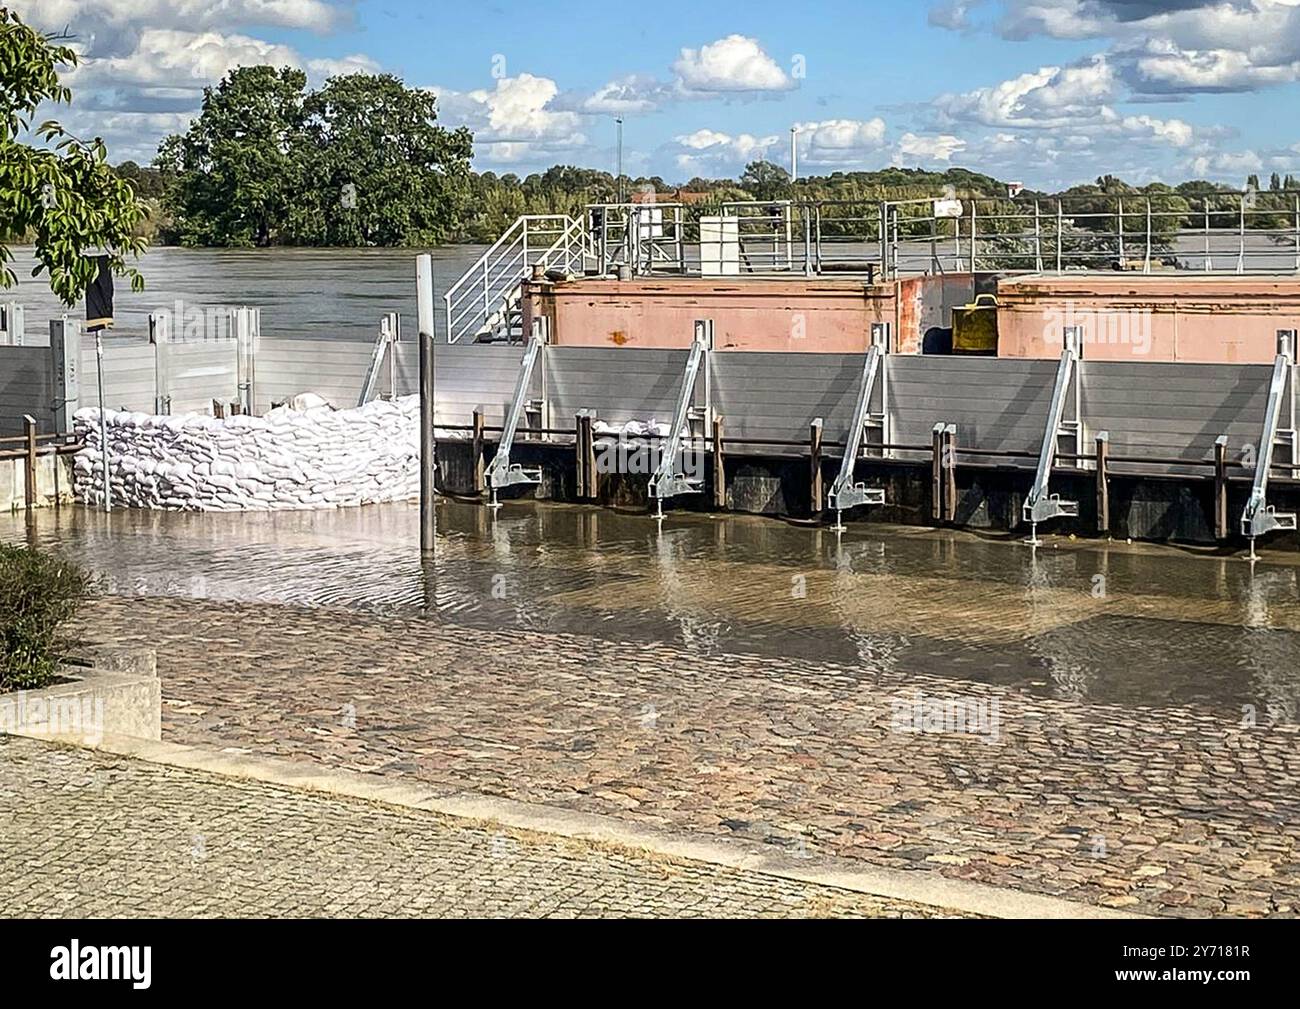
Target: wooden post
{"type": "Point", "coordinates": [218, 409]}
{"type": "Point", "coordinates": [478, 450]}
{"type": "Point", "coordinates": [817, 490]}
{"type": "Point", "coordinates": [936, 473]}
{"type": "Point", "coordinates": [950, 472]}
{"type": "Point", "coordinates": [1221, 487]}
{"type": "Point", "coordinates": [719, 467]}
{"type": "Point", "coordinates": [1103, 481]}
{"type": "Point", "coordinates": [29, 468]}
{"type": "Point", "coordinates": [593, 474]}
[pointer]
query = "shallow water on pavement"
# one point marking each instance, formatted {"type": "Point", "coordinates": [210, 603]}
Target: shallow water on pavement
{"type": "Point", "coordinates": [1131, 624]}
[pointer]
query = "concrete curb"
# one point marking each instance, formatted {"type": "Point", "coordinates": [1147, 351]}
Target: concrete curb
{"type": "Point", "coordinates": [918, 886]}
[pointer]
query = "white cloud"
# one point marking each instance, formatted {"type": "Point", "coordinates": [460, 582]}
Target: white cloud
{"type": "Point", "coordinates": [839, 141]}
{"type": "Point", "coordinates": [1233, 165]}
{"type": "Point", "coordinates": [514, 121]}
{"type": "Point", "coordinates": [1048, 96]}
{"type": "Point", "coordinates": [712, 152]}
{"type": "Point", "coordinates": [733, 64]}
{"type": "Point", "coordinates": [112, 26]}
{"type": "Point", "coordinates": [182, 62]}
{"type": "Point", "coordinates": [913, 148]}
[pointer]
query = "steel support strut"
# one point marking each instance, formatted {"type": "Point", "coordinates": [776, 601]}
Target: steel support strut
{"type": "Point", "coordinates": [670, 479]}
{"type": "Point", "coordinates": [1258, 517]}
{"type": "Point", "coordinates": [844, 493]}
{"type": "Point", "coordinates": [1041, 505]}
{"type": "Point", "coordinates": [501, 472]}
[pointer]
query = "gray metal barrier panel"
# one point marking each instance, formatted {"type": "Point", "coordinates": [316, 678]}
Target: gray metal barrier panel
{"type": "Point", "coordinates": [129, 377]}
{"type": "Point", "coordinates": [996, 403]}
{"type": "Point", "coordinates": [1173, 410]}
{"type": "Point", "coordinates": [466, 376]}
{"type": "Point", "coordinates": [334, 369]}
{"type": "Point", "coordinates": [617, 384]}
{"type": "Point", "coordinates": [26, 387]}
{"type": "Point", "coordinates": [198, 373]}
{"type": "Point", "coordinates": [777, 395]}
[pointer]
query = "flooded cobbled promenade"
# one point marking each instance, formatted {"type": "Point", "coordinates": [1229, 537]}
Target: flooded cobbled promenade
{"type": "Point", "coordinates": [1112, 723]}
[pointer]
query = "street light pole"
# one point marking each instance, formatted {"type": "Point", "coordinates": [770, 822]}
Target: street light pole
{"type": "Point", "coordinates": [794, 154]}
{"type": "Point", "coordinates": [619, 121]}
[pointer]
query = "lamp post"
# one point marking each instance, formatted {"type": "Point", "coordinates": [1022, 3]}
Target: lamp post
{"type": "Point", "coordinates": [618, 120]}
{"type": "Point", "coordinates": [794, 154]}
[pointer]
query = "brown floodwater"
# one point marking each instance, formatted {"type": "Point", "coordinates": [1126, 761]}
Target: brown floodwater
{"type": "Point", "coordinates": [1122, 623]}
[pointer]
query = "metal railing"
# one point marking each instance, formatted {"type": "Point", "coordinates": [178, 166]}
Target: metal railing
{"type": "Point", "coordinates": [1234, 232]}
{"type": "Point", "coordinates": [485, 302]}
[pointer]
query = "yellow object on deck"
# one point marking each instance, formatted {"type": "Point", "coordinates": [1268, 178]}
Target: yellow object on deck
{"type": "Point", "coordinates": [975, 326]}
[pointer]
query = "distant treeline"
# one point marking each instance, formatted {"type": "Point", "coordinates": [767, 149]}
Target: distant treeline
{"type": "Point", "coordinates": [361, 161]}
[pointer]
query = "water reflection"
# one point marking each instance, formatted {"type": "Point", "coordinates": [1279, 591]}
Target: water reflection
{"type": "Point", "coordinates": [1126, 624]}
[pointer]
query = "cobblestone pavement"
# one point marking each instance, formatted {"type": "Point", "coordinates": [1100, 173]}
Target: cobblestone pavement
{"type": "Point", "coordinates": [89, 834]}
{"type": "Point", "coordinates": [1168, 810]}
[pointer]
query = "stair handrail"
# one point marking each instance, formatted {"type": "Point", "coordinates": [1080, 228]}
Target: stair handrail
{"type": "Point", "coordinates": [487, 278]}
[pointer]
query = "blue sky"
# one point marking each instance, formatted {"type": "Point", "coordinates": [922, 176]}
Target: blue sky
{"type": "Point", "coordinates": [1049, 92]}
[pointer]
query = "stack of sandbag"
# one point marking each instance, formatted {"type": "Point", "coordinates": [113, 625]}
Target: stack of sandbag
{"type": "Point", "coordinates": [313, 458]}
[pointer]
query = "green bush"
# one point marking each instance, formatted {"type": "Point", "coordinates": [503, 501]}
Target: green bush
{"type": "Point", "coordinates": [38, 594]}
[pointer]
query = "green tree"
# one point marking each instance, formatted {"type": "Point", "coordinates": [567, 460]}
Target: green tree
{"type": "Point", "coordinates": [231, 179]}
{"type": "Point", "coordinates": [378, 168]}
{"type": "Point", "coordinates": [765, 181]}
{"type": "Point", "coordinates": [62, 195]}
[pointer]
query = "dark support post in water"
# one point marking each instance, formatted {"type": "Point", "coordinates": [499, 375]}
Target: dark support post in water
{"type": "Point", "coordinates": [29, 464]}
{"type": "Point", "coordinates": [719, 467]}
{"type": "Point", "coordinates": [1221, 487]}
{"type": "Point", "coordinates": [1103, 481]}
{"type": "Point", "coordinates": [424, 292]}
{"type": "Point", "coordinates": [816, 488]}
{"type": "Point", "coordinates": [478, 450]}
{"type": "Point", "coordinates": [936, 473]}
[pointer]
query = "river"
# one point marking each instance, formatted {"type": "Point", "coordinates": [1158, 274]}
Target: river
{"type": "Point", "coordinates": [318, 293]}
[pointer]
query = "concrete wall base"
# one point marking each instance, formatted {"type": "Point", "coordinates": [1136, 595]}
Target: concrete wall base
{"type": "Point", "coordinates": [116, 694]}
{"type": "Point", "coordinates": [991, 498]}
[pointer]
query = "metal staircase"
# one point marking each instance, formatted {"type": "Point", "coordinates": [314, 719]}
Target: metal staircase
{"type": "Point", "coordinates": [485, 303]}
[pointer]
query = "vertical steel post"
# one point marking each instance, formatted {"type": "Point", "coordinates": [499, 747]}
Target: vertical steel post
{"type": "Point", "coordinates": [103, 419]}
{"type": "Point", "coordinates": [424, 294]}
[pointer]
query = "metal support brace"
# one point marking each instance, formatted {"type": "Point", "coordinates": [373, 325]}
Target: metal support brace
{"type": "Point", "coordinates": [669, 479]}
{"type": "Point", "coordinates": [390, 329]}
{"type": "Point", "coordinates": [1040, 505]}
{"type": "Point", "coordinates": [500, 472]}
{"type": "Point", "coordinates": [1259, 517]}
{"type": "Point", "coordinates": [844, 493]}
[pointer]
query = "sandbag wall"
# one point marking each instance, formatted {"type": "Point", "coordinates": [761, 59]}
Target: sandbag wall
{"type": "Point", "coordinates": [287, 459]}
